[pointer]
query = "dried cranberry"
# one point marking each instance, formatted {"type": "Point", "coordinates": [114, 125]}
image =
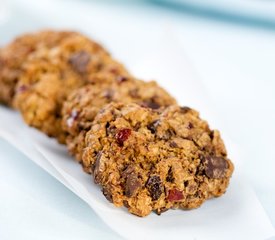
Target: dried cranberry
{"type": "Point", "coordinates": [174, 195]}
{"type": "Point", "coordinates": [122, 135]}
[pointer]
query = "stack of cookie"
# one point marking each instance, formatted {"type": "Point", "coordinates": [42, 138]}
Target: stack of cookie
{"type": "Point", "coordinates": [146, 152]}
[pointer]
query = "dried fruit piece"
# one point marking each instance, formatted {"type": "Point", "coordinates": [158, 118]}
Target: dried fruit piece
{"type": "Point", "coordinates": [215, 167]}
{"type": "Point", "coordinates": [174, 195]}
{"type": "Point", "coordinates": [80, 61]}
{"type": "Point", "coordinates": [155, 187]}
{"type": "Point", "coordinates": [122, 135]}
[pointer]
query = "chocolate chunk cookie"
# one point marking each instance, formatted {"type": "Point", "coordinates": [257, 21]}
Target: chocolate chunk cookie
{"type": "Point", "coordinates": [83, 104]}
{"type": "Point", "coordinates": [15, 54]}
{"type": "Point", "coordinates": [50, 74]}
{"type": "Point", "coordinates": [155, 160]}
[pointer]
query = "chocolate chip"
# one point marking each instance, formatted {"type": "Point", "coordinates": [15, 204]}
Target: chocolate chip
{"type": "Point", "coordinates": [185, 109]}
{"type": "Point", "coordinates": [170, 177]}
{"type": "Point", "coordinates": [137, 126]}
{"type": "Point", "coordinates": [132, 184]}
{"type": "Point", "coordinates": [122, 135]}
{"type": "Point", "coordinates": [173, 144]}
{"type": "Point", "coordinates": [215, 167]}
{"type": "Point", "coordinates": [127, 171]}
{"type": "Point", "coordinates": [126, 204]}
{"type": "Point", "coordinates": [151, 104]}
{"type": "Point", "coordinates": [153, 126]}
{"type": "Point", "coordinates": [190, 125]}
{"type": "Point", "coordinates": [97, 172]}
{"type": "Point", "coordinates": [155, 187]}
{"type": "Point", "coordinates": [107, 195]}
{"type": "Point", "coordinates": [80, 61]}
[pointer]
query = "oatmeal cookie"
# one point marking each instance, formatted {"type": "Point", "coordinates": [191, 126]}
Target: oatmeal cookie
{"type": "Point", "coordinates": [50, 74]}
{"type": "Point", "coordinates": [83, 104]}
{"type": "Point", "coordinates": [14, 54]}
{"type": "Point", "coordinates": [155, 160]}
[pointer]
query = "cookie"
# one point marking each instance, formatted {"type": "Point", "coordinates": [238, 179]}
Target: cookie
{"type": "Point", "coordinates": [14, 55]}
{"type": "Point", "coordinates": [50, 74]}
{"type": "Point", "coordinates": [154, 160]}
{"type": "Point", "coordinates": [83, 104]}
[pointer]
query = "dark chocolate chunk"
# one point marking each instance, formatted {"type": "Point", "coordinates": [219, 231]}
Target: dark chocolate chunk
{"type": "Point", "coordinates": [170, 177]}
{"type": "Point", "coordinates": [153, 126]}
{"type": "Point", "coordinates": [132, 184]}
{"type": "Point", "coordinates": [215, 167]}
{"type": "Point", "coordinates": [151, 104]}
{"type": "Point", "coordinates": [185, 109]}
{"type": "Point", "coordinates": [190, 125]}
{"type": "Point", "coordinates": [97, 172]}
{"type": "Point", "coordinates": [173, 144]}
{"type": "Point", "coordinates": [155, 187]}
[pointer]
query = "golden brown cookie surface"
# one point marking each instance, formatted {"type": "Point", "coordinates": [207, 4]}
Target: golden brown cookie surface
{"type": "Point", "coordinates": [83, 104]}
{"type": "Point", "coordinates": [50, 74]}
{"type": "Point", "coordinates": [15, 54]}
{"type": "Point", "coordinates": [155, 160]}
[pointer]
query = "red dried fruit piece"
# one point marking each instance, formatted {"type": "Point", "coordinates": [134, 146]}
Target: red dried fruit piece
{"type": "Point", "coordinates": [122, 135]}
{"type": "Point", "coordinates": [174, 195]}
